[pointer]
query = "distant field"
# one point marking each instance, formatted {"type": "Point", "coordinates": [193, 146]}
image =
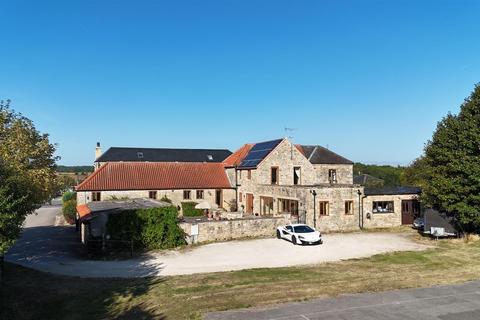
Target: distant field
{"type": "Point", "coordinates": [29, 294]}
{"type": "Point", "coordinates": [73, 169]}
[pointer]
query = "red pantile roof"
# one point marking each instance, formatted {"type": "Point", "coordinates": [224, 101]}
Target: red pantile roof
{"type": "Point", "coordinates": [156, 176]}
{"type": "Point", "coordinates": [236, 158]}
{"type": "Point", "coordinates": [83, 210]}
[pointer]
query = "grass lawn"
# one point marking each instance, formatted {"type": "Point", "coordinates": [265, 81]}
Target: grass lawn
{"type": "Point", "coordinates": [29, 294]}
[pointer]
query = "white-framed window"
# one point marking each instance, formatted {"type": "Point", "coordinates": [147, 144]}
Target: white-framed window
{"type": "Point", "coordinates": [383, 207]}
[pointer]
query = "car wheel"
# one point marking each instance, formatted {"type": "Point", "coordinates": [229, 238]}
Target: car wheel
{"type": "Point", "coordinates": [320, 242]}
{"type": "Point", "coordinates": [294, 240]}
{"type": "Point", "coordinates": [279, 235]}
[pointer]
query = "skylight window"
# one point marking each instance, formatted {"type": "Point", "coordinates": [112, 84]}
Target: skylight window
{"type": "Point", "coordinates": [140, 155]}
{"type": "Point", "coordinates": [210, 157]}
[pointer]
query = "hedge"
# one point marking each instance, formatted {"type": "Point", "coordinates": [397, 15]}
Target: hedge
{"type": "Point", "coordinates": [155, 228]}
{"type": "Point", "coordinates": [188, 209]}
{"type": "Point", "coordinates": [69, 195]}
{"type": "Point", "coordinates": [70, 210]}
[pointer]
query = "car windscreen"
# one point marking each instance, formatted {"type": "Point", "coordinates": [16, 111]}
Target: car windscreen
{"type": "Point", "coordinates": [303, 229]}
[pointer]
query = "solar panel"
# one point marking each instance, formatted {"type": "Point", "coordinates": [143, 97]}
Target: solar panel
{"type": "Point", "coordinates": [258, 152]}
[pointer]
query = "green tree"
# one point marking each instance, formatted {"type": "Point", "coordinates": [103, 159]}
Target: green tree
{"type": "Point", "coordinates": [27, 172]}
{"type": "Point", "coordinates": [449, 170]}
{"type": "Point", "coordinates": [416, 174]}
{"type": "Point", "coordinates": [15, 204]}
{"type": "Point", "coordinates": [28, 152]}
{"type": "Point", "coordinates": [391, 176]}
{"type": "Point", "coordinates": [65, 182]}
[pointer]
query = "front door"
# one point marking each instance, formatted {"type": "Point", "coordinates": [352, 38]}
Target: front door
{"type": "Point", "coordinates": [409, 210]}
{"type": "Point", "coordinates": [249, 203]}
{"type": "Point", "coordinates": [219, 198]}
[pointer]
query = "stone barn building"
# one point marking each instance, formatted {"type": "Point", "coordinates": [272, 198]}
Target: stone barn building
{"type": "Point", "coordinates": [311, 183]}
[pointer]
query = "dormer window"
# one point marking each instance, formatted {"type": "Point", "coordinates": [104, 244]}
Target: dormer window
{"type": "Point", "coordinates": [210, 157]}
{"type": "Point", "coordinates": [140, 155]}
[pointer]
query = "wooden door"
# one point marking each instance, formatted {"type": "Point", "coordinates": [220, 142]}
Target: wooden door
{"type": "Point", "coordinates": [219, 198]}
{"type": "Point", "coordinates": [249, 203]}
{"type": "Point", "coordinates": [408, 211]}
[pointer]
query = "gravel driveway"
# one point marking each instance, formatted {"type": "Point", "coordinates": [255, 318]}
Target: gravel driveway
{"type": "Point", "coordinates": [54, 249]}
{"type": "Point", "coordinates": [271, 253]}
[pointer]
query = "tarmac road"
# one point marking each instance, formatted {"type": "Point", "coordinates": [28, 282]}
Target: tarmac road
{"type": "Point", "coordinates": [454, 302]}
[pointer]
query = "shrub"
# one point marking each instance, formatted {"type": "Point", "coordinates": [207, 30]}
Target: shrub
{"type": "Point", "coordinates": [155, 228]}
{"type": "Point", "coordinates": [188, 209]}
{"type": "Point", "coordinates": [69, 195]}
{"type": "Point", "coordinates": [232, 205]}
{"type": "Point", "coordinates": [70, 210]}
{"type": "Point", "coordinates": [166, 199]}
{"type": "Point", "coordinates": [117, 198]}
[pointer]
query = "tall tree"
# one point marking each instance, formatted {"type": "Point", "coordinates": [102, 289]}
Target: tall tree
{"type": "Point", "coordinates": [450, 167]}
{"type": "Point", "coordinates": [27, 172]}
{"type": "Point", "coordinates": [27, 151]}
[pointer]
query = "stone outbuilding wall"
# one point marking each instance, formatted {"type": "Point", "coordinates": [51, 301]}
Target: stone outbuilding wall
{"type": "Point", "coordinates": [384, 219]}
{"type": "Point", "coordinates": [254, 227]}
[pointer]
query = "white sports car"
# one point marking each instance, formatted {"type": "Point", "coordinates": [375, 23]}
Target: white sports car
{"type": "Point", "coordinates": [299, 234]}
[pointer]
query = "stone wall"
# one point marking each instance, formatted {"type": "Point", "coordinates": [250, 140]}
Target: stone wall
{"type": "Point", "coordinates": [231, 176]}
{"type": "Point", "coordinates": [254, 227]}
{"type": "Point", "coordinates": [384, 220]}
{"type": "Point", "coordinates": [336, 195]}
{"type": "Point", "coordinates": [175, 195]}
{"type": "Point", "coordinates": [344, 173]}
{"type": "Point", "coordinates": [337, 219]}
{"type": "Point", "coordinates": [285, 157]}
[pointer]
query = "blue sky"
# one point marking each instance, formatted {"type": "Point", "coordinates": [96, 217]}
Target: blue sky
{"type": "Point", "coordinates": [370, 79]}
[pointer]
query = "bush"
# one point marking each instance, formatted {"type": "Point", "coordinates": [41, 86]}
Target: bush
{"type": "Point", "coordinates": [155, 228]}
{"type": "Point", "coordinates": [188, 209]}
{"type": "Point", "coordinates": [166, 199]}
{"type": "Point", "coordinates": [69, 195]}
{"type": "Point", "coordinates": [117, 198]}
{"type": "Point", "coordinates": [70, 210]}
{"type": "Point", "coordinates": [233, 205]}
